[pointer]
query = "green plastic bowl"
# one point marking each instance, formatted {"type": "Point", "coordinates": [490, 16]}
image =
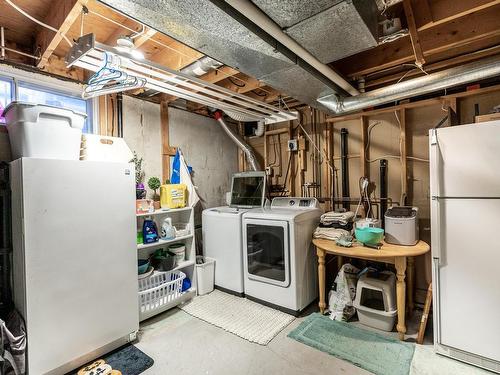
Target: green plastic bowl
{"type": "Point", "coordinates": [369, 235]}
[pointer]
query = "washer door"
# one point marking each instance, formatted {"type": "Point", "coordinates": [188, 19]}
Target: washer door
{"type": "Point", "coordinates": [267, 251]}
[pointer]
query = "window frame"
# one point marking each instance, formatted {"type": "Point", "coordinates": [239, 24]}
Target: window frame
{"type": "Point", "coordinates": [12, 89]}
{"type": "Point", "coordinates": [51, 85]}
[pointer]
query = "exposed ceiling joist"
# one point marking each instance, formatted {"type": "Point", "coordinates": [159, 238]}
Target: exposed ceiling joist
{"type": "Point", "coordinates": [219, 74]}
{"type": "Point", "coordinates": [433, 13]}
{"type": "Point", "coordinates": [476, 31]}
{"type": "Point", "coordinates": [412, 27]}
{"type": "Point", "coordinates": [62, 15]}
{"type": "Point", "coordinates": [176, 56]}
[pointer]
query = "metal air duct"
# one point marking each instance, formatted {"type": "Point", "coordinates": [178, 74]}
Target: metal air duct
{"type": "Point", "coordinates": [251, 158]}
{"type": "Point", "coordinates": [472, 72]}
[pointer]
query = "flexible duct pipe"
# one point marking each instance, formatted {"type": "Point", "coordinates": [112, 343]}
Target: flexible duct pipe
{"type": "Point", "coordinates": [471, 72]}
{"type": "Point", "coordinates": [201, 66]}
{"type": "Point", "coordinates": [251, 158]}
{"type": "Point", "coordinates": [261, 128]}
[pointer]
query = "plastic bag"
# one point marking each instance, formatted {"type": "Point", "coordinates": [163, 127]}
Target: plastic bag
{"type": "Point", "coordinates": [13, 341]}
{"type": "Point", "coordinates": [340, 300]}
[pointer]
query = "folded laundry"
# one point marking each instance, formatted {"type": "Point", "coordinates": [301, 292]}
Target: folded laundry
{"type": "Point", "coordinates": [337, 217]}
{"type": "Point", "coordinates": [347, 226]}
{"type": "Point", "coordinates": [329, 233]}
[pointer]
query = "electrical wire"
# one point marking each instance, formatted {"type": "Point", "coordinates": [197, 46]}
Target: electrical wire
{"type": "Point", "coordinates": [24, 13]}
{"type": "Point", "coordinates": [234, 83]}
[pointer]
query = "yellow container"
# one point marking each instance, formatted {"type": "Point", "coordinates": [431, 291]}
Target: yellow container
{"type": "Point", "coordinates": [173, 196]}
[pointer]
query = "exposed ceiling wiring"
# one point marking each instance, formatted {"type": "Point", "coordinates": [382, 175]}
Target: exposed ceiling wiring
{"type": "Point", "coordinates": [234, 83]}
{"type": "Point", "coordinates": [24, 13]}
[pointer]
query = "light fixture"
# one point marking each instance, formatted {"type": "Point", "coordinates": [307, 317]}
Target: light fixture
{"type": "Point", "coordinates": [125, 44]}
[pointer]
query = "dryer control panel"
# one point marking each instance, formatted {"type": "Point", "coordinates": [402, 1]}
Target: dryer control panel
{"type": "Point", "coordinates": [294, 203]}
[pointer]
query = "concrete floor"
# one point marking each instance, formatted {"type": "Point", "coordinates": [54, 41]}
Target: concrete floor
{"type": "Point", "coordinates": [181, 344]}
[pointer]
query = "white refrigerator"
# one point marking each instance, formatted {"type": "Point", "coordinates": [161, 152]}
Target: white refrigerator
{"type": "Point", "coordinates": [74, 259]}
{"type": "Point", "coordinates": [465, 222]}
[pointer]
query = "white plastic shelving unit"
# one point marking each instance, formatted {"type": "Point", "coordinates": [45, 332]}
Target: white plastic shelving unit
{"type": "Point", "coordinates": [180, 215]}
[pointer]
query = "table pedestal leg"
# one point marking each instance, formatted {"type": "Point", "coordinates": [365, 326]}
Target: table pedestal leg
{"type": "Point", "coordinates": [321, 279]}
{"type": "Point", "coordinates": [340, 261]}
{"type": "Point", "coordinates": [410, 284]}
{"type": "Point", "coordinates": [400, 263]}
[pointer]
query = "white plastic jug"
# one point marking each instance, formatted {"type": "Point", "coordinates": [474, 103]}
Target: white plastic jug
{"type": "Point", "coordinates": [167, 229]}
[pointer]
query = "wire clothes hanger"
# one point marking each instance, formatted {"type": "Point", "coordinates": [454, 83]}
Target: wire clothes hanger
{"type": "Point", "coordinates": [110, 79]}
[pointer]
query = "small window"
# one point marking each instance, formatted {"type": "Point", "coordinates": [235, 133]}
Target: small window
{"type": "Point", "coordinates": [36, 94]}
{"type": "Point", "coordinates": [6, 95]}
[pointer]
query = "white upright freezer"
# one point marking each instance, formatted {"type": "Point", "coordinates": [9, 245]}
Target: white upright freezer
{"type": "Point", "coordinates": [74, 259]}
{"type": "Point", "coordinates": [465, 221]}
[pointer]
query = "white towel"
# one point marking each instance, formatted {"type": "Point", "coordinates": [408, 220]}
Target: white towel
{"type": "Point", "coordinates": [337, 217]}
{"type": "Point", "coordinates": [329, 233]}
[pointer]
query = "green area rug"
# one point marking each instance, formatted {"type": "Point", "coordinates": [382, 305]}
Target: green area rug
{"type": "Point", "coordinates": [368, 350]}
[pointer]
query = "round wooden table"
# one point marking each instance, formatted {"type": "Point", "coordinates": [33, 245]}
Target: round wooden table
{"type": "Point", "coordinates": [400, 256]}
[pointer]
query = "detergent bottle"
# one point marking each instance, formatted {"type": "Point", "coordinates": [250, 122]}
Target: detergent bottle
{"type": "Point", "coordinates": [149, 231]}
{"type": "Point", "coordinates": [167, 229]}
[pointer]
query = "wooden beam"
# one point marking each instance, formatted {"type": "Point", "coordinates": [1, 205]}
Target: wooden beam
{"type": "Point", "coordinates": [177, 56]}
{"type": "Point", "coordinates": [459, 60]}
{"type": "Point", "coordinates": [412, 27]}
{"type": "Point", "coordinates": [447, 10]}
{"type": "Point", "coordinates": [62, 15]}
{"type": "Point", "coordinates": [219, 74]}
{"type": "Point", "coordinates": [476, 31]}
{"type": "Point", "coordinates": [241, 84]}
{"type": "Point", "coordinates": [166, 150]}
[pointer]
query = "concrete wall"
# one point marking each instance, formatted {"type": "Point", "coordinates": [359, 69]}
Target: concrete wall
{"type": "Point", "coordinates": [205, 146]}
{"type": "Point", "coordinates": [142, 132]}
{"type": "Point", "coordinates": [213, 156]}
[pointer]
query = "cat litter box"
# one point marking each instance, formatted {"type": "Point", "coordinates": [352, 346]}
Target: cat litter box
{"type": "Point", "coordinates": [376, 300]}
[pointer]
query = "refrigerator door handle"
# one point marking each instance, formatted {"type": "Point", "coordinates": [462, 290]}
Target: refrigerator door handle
{"type": "Point", "coordinates": [436, 229]}
{"type": "Point", "coordinates": [434, 163]}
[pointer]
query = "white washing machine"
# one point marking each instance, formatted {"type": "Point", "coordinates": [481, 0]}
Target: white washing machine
{"type": "Point", "coordinates": [222, 234]}
{"type": "Point", "coordinates": [222, 240]}
{"type": "Point", "coordinates": [280, 266]}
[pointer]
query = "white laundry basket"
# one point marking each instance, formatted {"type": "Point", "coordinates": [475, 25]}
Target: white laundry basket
{"type": "Point", "coordinates": [44, 131]}
{"type": "Point", "coordinates": [205, 275]}
{"type": "Point", "coordinates": [158, 290]}
{"type": "Point", "coordinates": [376, 300]}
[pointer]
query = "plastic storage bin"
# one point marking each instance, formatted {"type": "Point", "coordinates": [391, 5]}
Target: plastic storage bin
{"type": "Point", "coordinates": [205, 275]}
{"type": "Point", "coordinates": [376, 300]}
{"type": "Point", "coordinates": [159, 290]}
{"type": "Point", "coordinates": [43, 131]}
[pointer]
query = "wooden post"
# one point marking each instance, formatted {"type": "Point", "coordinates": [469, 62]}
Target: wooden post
{"type": "Point", "coordinates": [400, 263]}
{"type": "Point", "coordinates": [291, 172]}
{"type": "Point", "coordinates": [167, 150]}
{"type": "Point", "coordinates": [404, 166]}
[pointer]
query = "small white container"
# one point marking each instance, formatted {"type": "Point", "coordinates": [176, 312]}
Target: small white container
{"type": "Point", "coordinates": [205, 275]}
{"type": "Point", "coordinates": [376, 300]}
{"type": "Point", "coordinates": [43, 131]}
{"type": "Point", "coordinates": [179, 250]}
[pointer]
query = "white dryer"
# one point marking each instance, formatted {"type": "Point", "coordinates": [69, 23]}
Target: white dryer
{"type": "Point", "coordinates": [280, 266]}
